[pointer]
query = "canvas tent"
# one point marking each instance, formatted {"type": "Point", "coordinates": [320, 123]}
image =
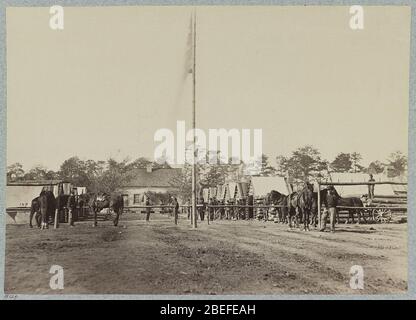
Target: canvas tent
{"type": "Point", "coordinates": [242, 188]}
{"type": "Point", "coordinates": [205, 194]}
{"type": "Point", "coordinates": [81, 190]}
{"type": "Point", "coordinates": [263, 185]}
{"type": "Point", "coordinates": [221, 190]}
{"type": "Point", "coordinates": [399, 189]}
{"type": "Point", "coordinates": [21, 196]}
{"type": "Point", "coordinates": [231, 189]}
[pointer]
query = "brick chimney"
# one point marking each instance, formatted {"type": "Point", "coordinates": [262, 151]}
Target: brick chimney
{"type": "Point", "coordinates": [149, 168]}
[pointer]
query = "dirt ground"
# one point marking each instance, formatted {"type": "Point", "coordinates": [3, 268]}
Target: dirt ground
{"type": "Point", "coordinates": [225, 257]}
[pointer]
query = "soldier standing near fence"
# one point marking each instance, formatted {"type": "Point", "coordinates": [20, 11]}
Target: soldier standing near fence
{"type": "Point", "coordinates": [371, 187]}
{"type": "Point", "coordinates": [175, 204]}
{"type": "Point", "coordinates": [72, 206]}
{"type": "Point", "coordinates": [188, 207]}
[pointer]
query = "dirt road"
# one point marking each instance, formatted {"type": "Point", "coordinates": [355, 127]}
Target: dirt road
{"type": "Point", "coordinates": [226, 257]}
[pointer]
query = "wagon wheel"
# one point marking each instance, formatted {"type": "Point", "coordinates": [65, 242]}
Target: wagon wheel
{"type": "Point", "coordinates": [382, 215]}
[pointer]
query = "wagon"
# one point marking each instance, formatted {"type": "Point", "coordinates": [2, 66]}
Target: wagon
{"type": "Point", "coordinates": [384, 212]}
{"type": "Point", "coordinates": [382, 215]}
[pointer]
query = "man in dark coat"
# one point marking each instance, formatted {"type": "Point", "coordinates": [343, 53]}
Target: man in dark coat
{"type": "Point", "coordinates": [148, 209]}
{"type": "Point", "coordinates": [331, 209]}
{"type": "Point", "coordinates": [117, 204]}
{"type": "Point", "coordinates": [72, 206]}
{"type": "Point", "coordinates": [176, 209]}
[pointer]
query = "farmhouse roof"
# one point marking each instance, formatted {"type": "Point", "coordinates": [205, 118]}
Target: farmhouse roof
{"type": "Point", "coordinates": [154, 178]}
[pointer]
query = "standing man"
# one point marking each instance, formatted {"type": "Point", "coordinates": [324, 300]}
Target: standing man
{"type": "Point", "coordinates": [331, 209]}
{"type": "Point", "coordinates": [72, 206]}
{"type": "Point", "coordinates": [176, 209]}
{"type": "Point", "coordinates": [188, 208]}
{"type": "Point", "coordinates": [147, 208]}
{"type": "Point", "coordinates": [200, 208]}
{"type": "Point", "coordinates": [371, 187]}
{"type": "Point", "coordinates": [210, 209]}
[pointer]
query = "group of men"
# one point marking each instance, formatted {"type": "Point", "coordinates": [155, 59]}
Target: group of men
{"type": "Point", "coordinates": [173, 201]}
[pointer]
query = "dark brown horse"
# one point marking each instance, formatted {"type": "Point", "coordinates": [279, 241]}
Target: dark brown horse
{"type": "Point", "coordinates": [47, 206]}
{"type": "Point", "coordinates": [117, 204]}
{"type": "Point", "coordinates": [35, 212]}
{"type": "Point", "coordinates": [300, 205]}
{"type": "Point", "coordinates": [354, 203]}
{"type": "Point", "coordinates": [281, 202]}
{"type": "Point", "coordinates": [306, 204]}
{"type": "Point", "coordinates": [357, 204]}
{"type": "Point", "coordinates": [104, 201]}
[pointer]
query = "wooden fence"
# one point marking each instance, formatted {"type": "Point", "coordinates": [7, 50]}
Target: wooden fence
{"type": "Point", "coordinates": [392, 204]}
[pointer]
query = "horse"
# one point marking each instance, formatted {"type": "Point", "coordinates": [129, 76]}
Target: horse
{"type": "Point", "coordinates": [353, 202]}
{"type": "Point", "coordinates": [305, 204]}
{"type": "Point", "coordinates": [281, 200]}
{"type": "Point", "coordinates": [98, 202]}
{"type": "Point", "coordinates": [104, 201]}
{"type": "Point", "coordinates": [47, 206]}
{"type": "Point", "coordinates": [117, 204]}
{"type": "Point", "coordinates": [346, 202]}
{"type": "Point", "coordinates": [300, 205]}
{"type": "Point", "coordinates": [35, 211]}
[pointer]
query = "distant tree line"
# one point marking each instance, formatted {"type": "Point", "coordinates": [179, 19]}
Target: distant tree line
{"type": "Point", "coordinates": [97, 176]}
{"type": "Point", "coordinates": [306, 162]}
{"type": "Point", "coordinates": [303, 163]}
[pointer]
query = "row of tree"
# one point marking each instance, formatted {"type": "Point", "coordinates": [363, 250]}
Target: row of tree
{"type": "Point", "coordinates": [304, 163]}
{"type": "Point", "coordinates": [97, 176]}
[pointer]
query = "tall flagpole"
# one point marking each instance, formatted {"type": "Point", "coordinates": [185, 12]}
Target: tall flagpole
{"type": "Point", "coordinates": [194, 223]}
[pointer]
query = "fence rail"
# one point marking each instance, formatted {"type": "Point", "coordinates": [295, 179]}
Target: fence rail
{"type": "Point", "coordinates": [373, 208]}
{"type": "Point", "coordinates": [361, 183]}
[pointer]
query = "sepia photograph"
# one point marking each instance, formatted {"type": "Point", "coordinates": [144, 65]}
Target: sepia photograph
{"type": "Point", "coordinates": [207, 150]}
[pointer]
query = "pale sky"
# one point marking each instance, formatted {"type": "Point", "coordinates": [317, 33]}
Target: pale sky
{"type": "Point", "coordinates": [102, 86]}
